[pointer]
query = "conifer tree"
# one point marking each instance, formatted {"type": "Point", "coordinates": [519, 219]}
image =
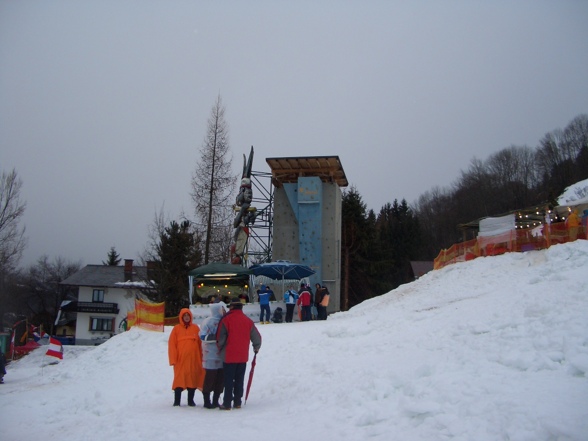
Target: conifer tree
{"type": "Point", "coordinates": [177, 252]}
{"type": "Point", "coordinates": [356, 233]}
{"type": "Point", "coordinates": [113, 258]}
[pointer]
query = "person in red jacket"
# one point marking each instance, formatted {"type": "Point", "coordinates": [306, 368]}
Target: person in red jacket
{"type": "Point", "coordinates": [185, 355]}
{"type": "Point", "coordinates": [304, 302]}
{"type": "Point", "coordinates": [235, 331]}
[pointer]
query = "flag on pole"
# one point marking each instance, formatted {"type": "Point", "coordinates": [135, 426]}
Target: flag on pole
{"type": "Point", "coordinates": [39, 335]}
{"type": "Point", "coordinates": [55, 348]}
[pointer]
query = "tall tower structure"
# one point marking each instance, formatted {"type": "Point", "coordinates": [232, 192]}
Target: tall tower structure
{"type": "Point", "coordinates": [307, 205]}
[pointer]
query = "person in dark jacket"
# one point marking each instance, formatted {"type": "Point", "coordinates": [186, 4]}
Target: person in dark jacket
{"type": "Point", "coordinates": [322, 301]}
{"type": "Point", "coordinates": [2, 366]}
{"type": "Point", "coordinates": [235, 331]}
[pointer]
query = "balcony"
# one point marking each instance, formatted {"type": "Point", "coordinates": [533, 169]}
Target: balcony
{"type": "Point", "coordinates": [94, 307]}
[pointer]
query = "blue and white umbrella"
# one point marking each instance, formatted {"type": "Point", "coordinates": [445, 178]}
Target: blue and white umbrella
{"type": "Point", "coordinates": [282, 270]}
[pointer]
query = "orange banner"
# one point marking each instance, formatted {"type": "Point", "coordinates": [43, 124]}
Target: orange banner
{"type": "Point", "coordinates": [147, 316]}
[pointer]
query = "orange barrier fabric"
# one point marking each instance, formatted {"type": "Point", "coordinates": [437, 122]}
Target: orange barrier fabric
{"type": "Point", "coordinates": [147, 316]}
{"type": "Point", "coordinates": [521, 240]}
{"type": "Point", "coordinates": [171, 321]}
{"type": "Point", "coordinates": [131, 319]}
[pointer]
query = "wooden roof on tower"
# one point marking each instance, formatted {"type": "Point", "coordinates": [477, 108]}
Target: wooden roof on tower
{"type": "Point", "coordinates": [288, 170]}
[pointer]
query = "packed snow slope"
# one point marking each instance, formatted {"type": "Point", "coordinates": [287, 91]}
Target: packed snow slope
{"type": "Point", "coordinates": [491, 349]}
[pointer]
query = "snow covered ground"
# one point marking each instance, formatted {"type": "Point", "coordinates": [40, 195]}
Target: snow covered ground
{"type": "Point", "coordinates": [491, 349]}
{"type": "Point", "coordinates": [575, 194]}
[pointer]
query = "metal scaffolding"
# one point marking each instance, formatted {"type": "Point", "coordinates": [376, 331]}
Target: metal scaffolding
{"type": "Point", "coordinates": [259, 246]}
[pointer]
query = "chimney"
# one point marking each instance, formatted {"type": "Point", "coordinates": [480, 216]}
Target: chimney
{"type": "Point", "coordinates": [128, 270]}
{"type": "Point", "coordinates": [151, 267]}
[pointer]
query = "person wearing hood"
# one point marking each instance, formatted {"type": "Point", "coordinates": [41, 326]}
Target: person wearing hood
{"type": "Point", "coordinates": [211, 360]}
{"type": "Point", "coordinates": [185, 355]}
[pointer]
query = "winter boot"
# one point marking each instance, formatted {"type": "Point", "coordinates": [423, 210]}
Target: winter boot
{"type": "Point", "coordinates": [207, 403]}
{"type": "Point", "coordinates": [191, 392]}
{"type": "Point", "coordinates": [215, 398]}
{"type": "Point", "coordinates": [177, 396]}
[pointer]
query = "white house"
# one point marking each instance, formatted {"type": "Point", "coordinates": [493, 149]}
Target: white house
{"type": "Point", "coordinates": [105, 295]}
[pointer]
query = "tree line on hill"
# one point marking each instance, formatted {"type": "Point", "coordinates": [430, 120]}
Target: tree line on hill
{"type": "Point", "coordinates": [377, 248]}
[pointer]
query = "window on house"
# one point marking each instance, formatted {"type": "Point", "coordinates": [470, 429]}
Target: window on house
{"type": "Point", "coordinates": [101, 324]}
{"type": "Point", "coordinates": [98, 295]}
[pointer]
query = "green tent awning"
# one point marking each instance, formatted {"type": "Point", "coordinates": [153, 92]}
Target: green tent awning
{"type": "Point", "coordinates": [220, 271]}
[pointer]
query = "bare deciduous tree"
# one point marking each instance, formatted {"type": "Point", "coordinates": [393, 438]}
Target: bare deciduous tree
{"type": "Point", "coordinates": [213, 184]}
{"type": "Point", "coordinates": [512, 171]}
{"type": "Point", "coordinates": [44, 292]}
{"type": "Point", "coordinates": [576, 136]}
{"type": "Point", "coordinates": [155, 230]}
{"type": "Point", "coordinates": [12, 239]}
{"type": "Point", "coordinates": [552, 161]}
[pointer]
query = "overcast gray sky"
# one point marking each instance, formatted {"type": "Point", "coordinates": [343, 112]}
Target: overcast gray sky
{"type": "Point", "coordinates": [104, 104]}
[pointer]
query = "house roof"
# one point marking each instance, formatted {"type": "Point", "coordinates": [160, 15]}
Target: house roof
{"type": "Point", "coordinates": [288, 170]}
{"type": "Point", "coordinates": [106, 276]}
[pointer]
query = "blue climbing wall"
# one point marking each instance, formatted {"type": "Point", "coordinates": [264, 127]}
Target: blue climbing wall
{"type": "Point", "coordinates": [310, 199]}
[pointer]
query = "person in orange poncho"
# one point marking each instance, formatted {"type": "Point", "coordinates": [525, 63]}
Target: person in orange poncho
{"type": "Point", "coordinates": [185, 355]}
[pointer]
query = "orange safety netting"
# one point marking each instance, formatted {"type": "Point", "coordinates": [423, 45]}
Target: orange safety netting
{"type": "Point", "coordinates": [518, 240]}
{"type": "Point", "coordinates": [147, 316]}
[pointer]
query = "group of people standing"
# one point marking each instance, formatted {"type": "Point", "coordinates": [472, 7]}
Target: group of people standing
{"type": "Point", "coordinates": [212, 358]}
{"type": "Point", "coordinates": [303, 298]}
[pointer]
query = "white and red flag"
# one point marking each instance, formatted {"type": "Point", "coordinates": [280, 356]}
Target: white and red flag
{"type": "Point", "coordinates": [55, 348]}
